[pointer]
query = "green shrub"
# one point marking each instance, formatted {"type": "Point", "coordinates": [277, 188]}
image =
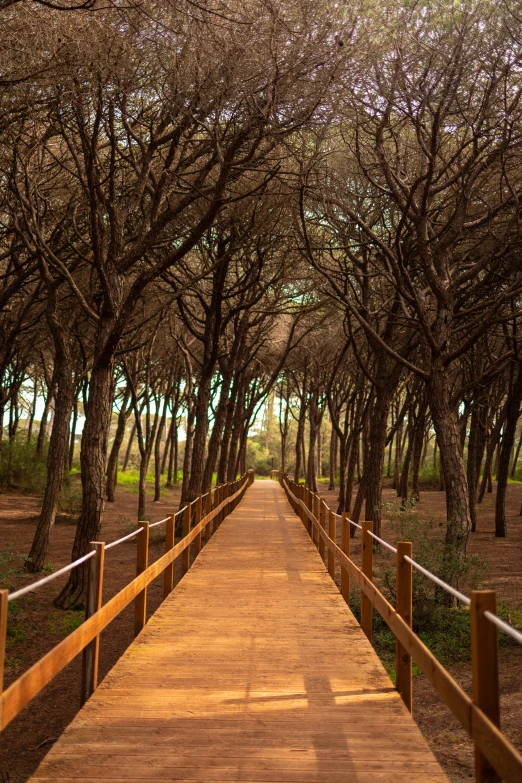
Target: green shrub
{"type": "Point", "coordinates": [29, 471]}
{"type": "Point", "coordinates": [428, 539]}
{"type": "Point", "coordinates": [429, 477]}
{"type": "Point", "coordinates": [71, 497]}
{"type": "Point", "coordinates": [444, 628]}
{"type": "Point", "coordinates": [258, 458]}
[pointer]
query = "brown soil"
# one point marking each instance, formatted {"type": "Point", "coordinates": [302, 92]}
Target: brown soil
{"type": "Point", "coordinates": [38, 626]}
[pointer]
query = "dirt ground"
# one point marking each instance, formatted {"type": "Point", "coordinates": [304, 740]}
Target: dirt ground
{"type": "Point", "coordinates": [37, 626]}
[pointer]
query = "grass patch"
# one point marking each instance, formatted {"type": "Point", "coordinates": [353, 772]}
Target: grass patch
{"type": "Point", "coordinates": [8, 557]}
{"type": "Point", "coordinates": [71, 621]}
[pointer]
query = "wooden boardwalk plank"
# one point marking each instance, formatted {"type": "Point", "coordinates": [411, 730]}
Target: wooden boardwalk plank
{"type": "Point", "coordinates": [252, 670]}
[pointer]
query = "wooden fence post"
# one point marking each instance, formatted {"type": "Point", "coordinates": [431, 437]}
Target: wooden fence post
{"type": "Point", "coordinates": [332, 534]}
{"type": "Point", "coordinates": [308, 504]}
{"type": "Point", "coordinates": [227, 495]}
{"type": "Point", "coordinates": [217, 501]}
{"type": "Point", "coordinates": [197, 540]}
{"type": "Point", "coordinates": [322, 520]}
{"type": "Point", "coordinates": [367, 569]}
{"type": "Point", "coordinates": [91, 653]}
{"type": "Point", "coordinates": [185, 555]}
{"type": "Point", "coordinates": [208, 509]}
{"type": "Point", "coordinates": [3, 637]}
{"type": "Point", "coordinates": [142, 561]}
{"type": "Point", "coordinates": [223, 514]}
{"type": "Point", "coordinates": [404, 606]}
{"type": "Point", "coordinates": [315, 535]}
{"type": "Point", "coordinates": [345, 546]}
{"type": "Point", "coordinates": [484, 667]}
{"type": "Point", "coordinates": [168, 574]}
{"type": "Point", "coordinates": [223, 498]}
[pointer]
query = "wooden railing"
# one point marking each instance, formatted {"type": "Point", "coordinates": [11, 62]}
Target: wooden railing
{"type": "Point", "coordinates": [218, 504]}
{"type": "Point", "coordinates": [495, 757]}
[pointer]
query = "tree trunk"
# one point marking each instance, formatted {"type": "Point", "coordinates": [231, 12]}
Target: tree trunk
{"type": "Point", "coordinates": [227, 431]}
{"type": "Point", "coordinates": [350, 475]}
{"type": "Point", "coordinates": [517, 453]}
{"type": "Point", "coordinates": [493, 441]}
{"type": "Point", "coordinates": [390, 449]}
{"type": "Point", "coordinates": [374, 461]}
{"type": "Point", "coordinates": [471, 468]}
{"type": "Point", "coordinates": [243, 456]}
{"type": "Point", "coordinates": [157, 451]}
{"type": "Point", "coordinates": [93, 457]}
{"type": "Point", "coordinates": [497, 457]}
{"type": "Point", "coordinates": [235, 438]}
{"type": "Point", "coordinates": [187, 459]}
{"type": "Point", "coordinates": [195, 483]}
{"type": "Point", "coordinates": [63, 385]}
{"type": "Point", "coordinates": [43, 424]}
{"type": "Point", "coordinates": [56, 464]}
{"type": "Point", "coordinates": [217, 433]}
{"type": "Point", "coordinates": [343, 460]}
{"type": "Point", "coordinates": [405, 475]}
{"type": "Point", "coordinates": [332, 460]}
{"type": "Point", "coordinates": [146, 444]}
{"type": "Point", "coordinates": [319, 464]}
{"type": "Point", "coordinates": [359, 500]}
{"type": "Point", "coordinates": [505, 447]}
{"type": "Point", "coordinates": [490, 481]}
{"type": "Point", "coordinates": [142, 485]}
{"type": "Point", "coordinates": [13, 426]}
{"type": "Point", "coordinates": [313, 426]}
{"type": "Point", "coordinates": [176, 454]}
{"type": "Point", "coordinates": [173, 436]}
{"type": "Point", "coordinates": [33, 411]}
{"type": "Point", "coordinates": [128, 450]}
{"type": "Point", "coordinates": [72, 439]}
{"type": "Point", "coordinates": [165, 457]}
{"type": "Point", "coordinates": [445, 420]}
{"type": "Point", "coordinates": [418, 446]}
{"type": "Point", "coordinates": [283, 425]}
{"type": "Point", "coordinates": [299, 443]}
{"type": "Point", "coordinates": [112, 465]}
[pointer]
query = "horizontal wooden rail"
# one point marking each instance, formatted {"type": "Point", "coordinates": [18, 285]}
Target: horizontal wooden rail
{"type": "Point", "coordinates": [26, 687]}
{"type": "Point", "coordinates": [488, 738]}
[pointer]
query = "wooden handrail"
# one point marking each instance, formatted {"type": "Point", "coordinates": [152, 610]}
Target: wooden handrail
{"type": "Point", "coordinates": [489, 741]}
{"type": "Point", "coordinates": [29, 684]}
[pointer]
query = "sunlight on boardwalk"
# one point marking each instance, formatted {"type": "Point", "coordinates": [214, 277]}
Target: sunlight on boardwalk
{"type": "Point", "coordinates": [252, 670]}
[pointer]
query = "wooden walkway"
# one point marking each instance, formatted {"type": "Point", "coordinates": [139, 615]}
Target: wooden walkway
{"type": "Point", "coordinates": [252, 670]}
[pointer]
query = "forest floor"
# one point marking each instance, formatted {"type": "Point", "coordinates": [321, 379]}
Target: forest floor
{"type": "Point", "coordinates": [35, 626]}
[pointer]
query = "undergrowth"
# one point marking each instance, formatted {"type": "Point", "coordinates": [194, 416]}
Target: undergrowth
{"type": "Point", "coordinates": [444, 629]}
{"type": "Point", "coordinates": [21, 467]}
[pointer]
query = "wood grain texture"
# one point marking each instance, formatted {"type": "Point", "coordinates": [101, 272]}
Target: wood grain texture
{"type": "Point", "coordinates": [253, 669]}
